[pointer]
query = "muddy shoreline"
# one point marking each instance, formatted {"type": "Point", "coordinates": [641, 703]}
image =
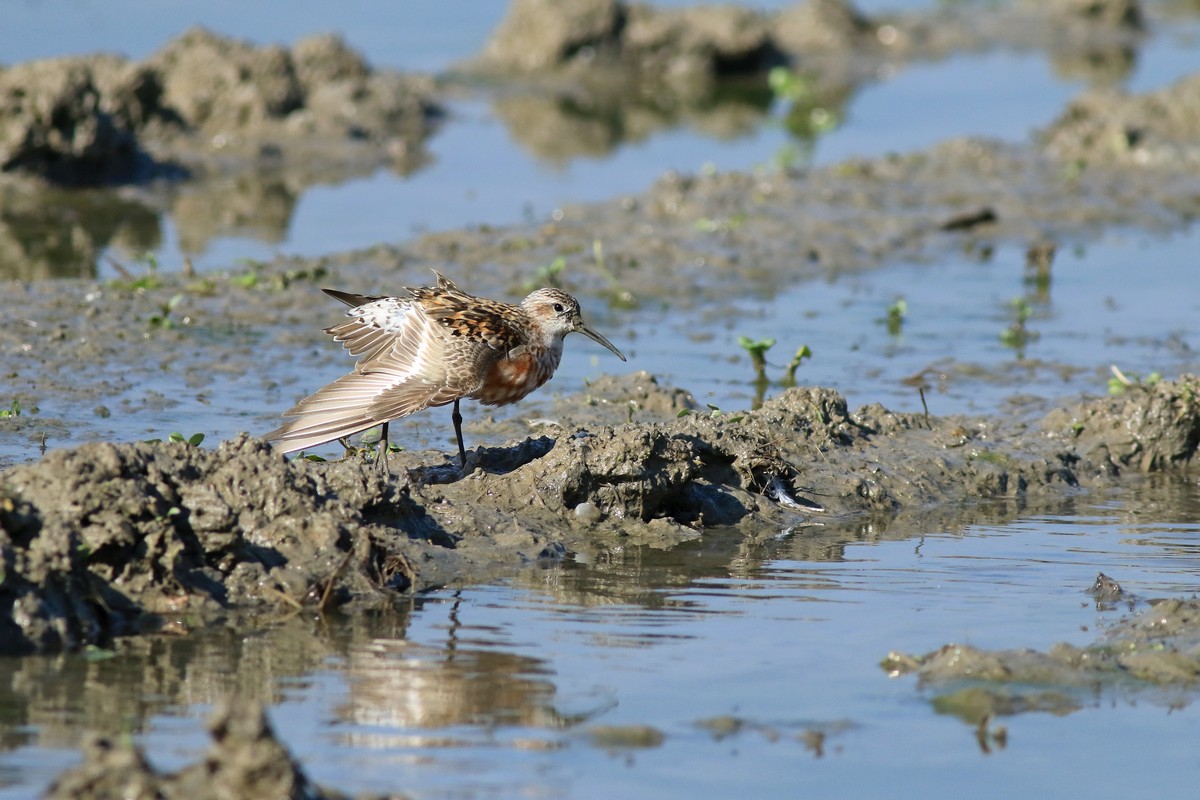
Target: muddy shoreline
{"type": "Point", "coordinates": [108, 540]}
{"type": "Point", "coordinates": [111, 539]}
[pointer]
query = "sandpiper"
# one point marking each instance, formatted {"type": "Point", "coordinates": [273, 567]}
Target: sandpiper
{"type": "Point", "coordinates": [433, 347]}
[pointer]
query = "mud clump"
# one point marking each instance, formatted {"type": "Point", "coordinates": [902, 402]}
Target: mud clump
{"type": "Point", "coordinates": [105, 540]}
{"type": "Point", "coordinates": [821, 37]}
{"type": "Point", "coordinates": [57, 121]}
{"type": "Point", "coordinates": [1158, 646]}
{"type": "Point", "coordinates": [1106, 126]}
{"type": "Point", "coordinates": [102, 119]}
{"type": "Point", "coordinates": [540, 35]}
{"type": "Point", "coordinates": [246, 760]}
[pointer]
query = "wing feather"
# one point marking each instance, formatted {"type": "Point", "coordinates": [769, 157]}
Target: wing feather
{"type": "Point", "coordinates": [407, 361]}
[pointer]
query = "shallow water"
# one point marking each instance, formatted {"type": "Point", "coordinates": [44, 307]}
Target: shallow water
{"type": "Point", "coordinates": [721, 667]}
{"type": "Point", "coordinates": [1087, 318]}
{"type": "Point", "coordinates": [480, 173]}
{"type": "Point", "coordinates": [741, 656]}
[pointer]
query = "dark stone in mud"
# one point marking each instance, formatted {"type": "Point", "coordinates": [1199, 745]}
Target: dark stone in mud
{"type": "Point", "coordinates": [102, 119]}
{"type": "Point", "coordinates": [107, 539]}
{"type": "Point", "coordinates": [245, 761]}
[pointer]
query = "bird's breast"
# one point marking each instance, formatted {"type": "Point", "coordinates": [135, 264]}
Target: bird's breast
{"type": "Point", "coordinates": [511, 378]}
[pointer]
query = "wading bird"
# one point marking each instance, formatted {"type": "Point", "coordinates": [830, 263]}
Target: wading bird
{"type": "Point", "coordinates": [433, 347]}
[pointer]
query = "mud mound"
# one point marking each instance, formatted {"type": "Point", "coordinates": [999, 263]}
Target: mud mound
{"type": "Point", "coordinates": [1158, 646]}
{"type": "Point", "coordinates": [246, 761]}
{"type": "Point", "coordinates": [1107, 126]}
{"type": "Point", "coordinates": [102, 119]}
{"type": "Point", "coordinates": [109, 539]}
{"type": "Point", "coordinates": [105, 538]}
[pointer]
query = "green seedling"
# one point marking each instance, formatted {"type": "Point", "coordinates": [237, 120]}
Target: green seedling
{"type": "Point", "coordinates": [194, 440]}
{"type": "Point", "coordinates": [131, 282]}
{"type": "Point", "coordinates": [1017, 335]}
{"type": "Point", "coordinates": [713, 411]}
{"type": "Point", "coordinates": [247, 280]}
{"type": "Point", "coordinates": [807, 115]}
{"type": "Point", "coordinates": [896, 313]}
{"type": "Point", "coordinates": [13, 410]}
{"type": "Point", "coordinates": [789, 377]}
{"type": "Point", "coordinates": [618, 295]}
{"type": "Point", "coordinates": [163, 318]}
{"type": "Point", "coordinates": [546, 275]}
{"type": "Point", "coordinates": [757, 350]}
{"type": "Point", "coordinates": [1121, 382]}
{"type": "Point", "coordinates": [718, 225]}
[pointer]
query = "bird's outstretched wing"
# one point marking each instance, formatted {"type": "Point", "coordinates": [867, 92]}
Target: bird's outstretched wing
{"type": "Point", "coordinates": [407, 361]}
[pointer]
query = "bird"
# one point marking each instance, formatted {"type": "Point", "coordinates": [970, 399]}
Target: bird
{"type": "Point", "coordinates": [433, 346]}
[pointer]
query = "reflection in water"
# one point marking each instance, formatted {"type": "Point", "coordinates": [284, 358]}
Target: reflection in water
{"type": "Point", "coordinates": [594, 122]}
{"type": "Point", "coordinates": [55, 233]}
{"type": "Point", "coordinates": [753, 654]}
{"type": "Point", "coordinates": [252, 205]}
{"type": "Point", "coordinates": [48, 233]}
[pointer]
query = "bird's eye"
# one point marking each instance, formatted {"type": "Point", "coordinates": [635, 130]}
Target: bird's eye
{"type": "Point", "coordinates": [558, 308]}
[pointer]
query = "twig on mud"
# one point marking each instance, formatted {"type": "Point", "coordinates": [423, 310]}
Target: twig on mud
{"type": "Point", "coordinates": [329, 582]}
{"type": "Point", "coordinates": [287, 598]}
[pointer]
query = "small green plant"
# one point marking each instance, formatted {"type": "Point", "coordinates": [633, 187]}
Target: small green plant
{"type": "Point", "coordinates": [1121, 382]}
{"type": "Point", "coordinates": [789, 377]}
{"type": "Point", "coordinates": [247, 280]}
{"type": "Point", "coordinates": [896, 313]}
{"type": "Point", "coordinates": [163, 318]}
{"type": "Point", "coordinates": [546, 275]}
{"type": "Point", "coordinates": [757, 350]}
{"type": "Point", "coordinates": [618, 295]}
{"type": "Point", "coordinates": [1017, 335]}
{"type": "Point", "coordinates": [714, 411]}
{"type": "Point", "coordinates": [717, 225]}
{"type": "Point", "coordinates": [131, 282]}
{"type": "Point", "coordinates": [194, 440]}
{"type": "Point", "coordinates": [807, 115]}
{"type": "Point", "coordinates": [787, 84]}
{"type": "Point", "coordinates": [13, 410]}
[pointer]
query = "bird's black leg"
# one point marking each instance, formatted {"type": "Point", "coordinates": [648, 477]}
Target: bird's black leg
{"type": "Point", "coordinates": [462, 451]}
{"type": "Point", "coordinates": [381, 460]}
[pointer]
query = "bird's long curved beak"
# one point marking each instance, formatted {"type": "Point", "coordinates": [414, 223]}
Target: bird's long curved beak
{"type": "Point", "coordinates": [595, 337]}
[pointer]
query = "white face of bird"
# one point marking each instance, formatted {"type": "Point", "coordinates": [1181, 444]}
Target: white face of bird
{"type": "Point", "coordinates": [557, 314]}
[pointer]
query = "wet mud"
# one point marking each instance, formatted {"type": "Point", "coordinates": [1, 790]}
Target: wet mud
{"type": "Point", "coordinates": [223, 134]}
{"type": "Point", "coordinates": [1151, 655]}
{"type": "Point", "coordinates": [245, 760]}
{"type": "Point", "coordinates": [109, 539]}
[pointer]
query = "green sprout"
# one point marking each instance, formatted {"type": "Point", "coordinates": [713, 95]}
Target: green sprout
{"type": "Point", "coordinates": [547, 274]}
{"type": "Point", "coordinates": [149, 280]}
{"type": "Point", "coordinates": [757, 351]}
{"type": "Point", "coordinates": [194, 440]}
{"type": "Point", "coordinates": [13, 410]}
{"type": "Point", "coordinates": [808, 115]}
{"type": "Point", "coordinates": [896, 313]}
{"type": "Point", "coordinates": [1017, 335]}
{"type": "Point", "coordinates": [1121, 382]}
{"type": "Point", "coordinates": [789, 378]}
{"type": "Point", "coordinates": [618, 295]}
{"type": "Point", "coordinates": [163, 318]}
